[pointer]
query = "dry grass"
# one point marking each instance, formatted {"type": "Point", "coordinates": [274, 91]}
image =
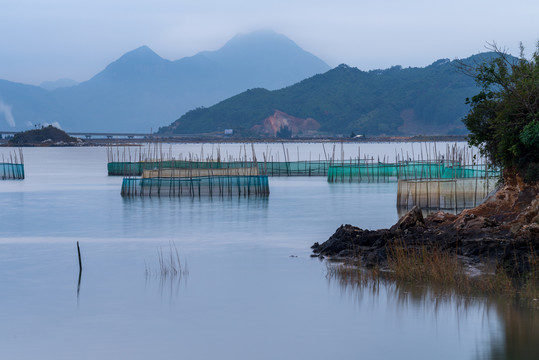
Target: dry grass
{"type": "Point", "coordinates": [170, 264]}
{"type": "Point", "coordinates": [426, 265]}
{"type": "Point", "coordinates": [443, 274]}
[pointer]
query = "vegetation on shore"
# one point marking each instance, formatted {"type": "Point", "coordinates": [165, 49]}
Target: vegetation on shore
{"type": "Point", "coordinates": [504, 116]}
{"type": "Point", "coordinates": [45, 136]}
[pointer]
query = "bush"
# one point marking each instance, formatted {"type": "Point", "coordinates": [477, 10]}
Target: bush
{"type": "Point", "coordinates": [504, 117]}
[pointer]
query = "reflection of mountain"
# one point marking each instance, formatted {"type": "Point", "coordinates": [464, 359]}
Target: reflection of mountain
{"type": "Point", "coordinates": [141, 90]}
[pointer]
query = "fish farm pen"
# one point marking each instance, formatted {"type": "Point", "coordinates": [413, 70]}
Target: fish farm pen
{"type": "Point", "coordinates": [459, 184]}
{"type": "Point", "coordinates": [369, 171]}
{"type": "Point", "coordinates": [454, 180]}
{"type": "Point", "coordinates": [198, 172]}
{"type": "Point", "coordinates": [12, 166]}
{"type": "Point", "coordinates": [208, 186]}
{"type": "Point", "coordinates": [269, 168]}
{"type": "Point", "coordinates": [191, 177]}
{"type": "Point", "coordinates": [429, 164]}
{"type": "Point", "coordinates": [444, 194]}
{"type": "Point", "coordinates": [134, 164]}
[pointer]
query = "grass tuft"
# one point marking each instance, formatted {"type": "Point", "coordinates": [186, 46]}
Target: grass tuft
{"type": "Point", "coordinates": [170, 264]}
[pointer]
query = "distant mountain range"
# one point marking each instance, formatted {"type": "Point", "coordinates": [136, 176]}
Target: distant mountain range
{"type": "Point", "coordinates": [347, 101]}
{"type": "Point", "coordinates": [60, 83]}
{"type": "Point", "coordinates": [142, 91]}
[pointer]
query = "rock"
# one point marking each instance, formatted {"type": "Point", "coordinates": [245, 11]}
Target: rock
{"type": "Point", "coordinates": [529, 232]}
{"type": "Point", "coordinates": [504, 229]}
{"type": "Point", "coordinates": [412, 218]}
{"type": "Point", "coordinates": [438, 217]}
{"type": "Point", "coordinates": [490, 223]}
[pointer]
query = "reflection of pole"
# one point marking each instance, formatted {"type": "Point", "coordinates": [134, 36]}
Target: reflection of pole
{"type": "Point", "coordinates": [80, 270]}
{"type": "Point", "coordinates": [78, 286]}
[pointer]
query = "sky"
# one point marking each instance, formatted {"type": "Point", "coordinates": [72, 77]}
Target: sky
{"type": "Point", "coordinates": [53, 39]}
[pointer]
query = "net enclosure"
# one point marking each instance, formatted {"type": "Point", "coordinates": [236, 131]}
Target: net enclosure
{"type": "Point", "coordinates": [444, 194]}
{"type": "Point", "coordinates": [387, 172]}
{"type": "Point", "coordinates": [12, 166]}
{"type": "Point", "coordinates": [212, 186]}
{"type": "Point", "coordinates": [269, 168]}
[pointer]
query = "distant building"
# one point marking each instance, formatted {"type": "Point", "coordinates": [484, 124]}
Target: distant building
{"type": "Point", "coordinates": [229, 131]}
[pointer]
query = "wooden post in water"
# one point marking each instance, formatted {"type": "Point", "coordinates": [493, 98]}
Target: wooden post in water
{"type": "Point", "coordinates": [80, 261]}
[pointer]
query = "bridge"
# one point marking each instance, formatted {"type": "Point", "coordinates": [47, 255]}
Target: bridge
{"type": "Point", "coordinates": [99, 135]}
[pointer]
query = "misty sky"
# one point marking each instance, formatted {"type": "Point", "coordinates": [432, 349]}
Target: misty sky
{"type": "Point", "coordinates": [52, 39]}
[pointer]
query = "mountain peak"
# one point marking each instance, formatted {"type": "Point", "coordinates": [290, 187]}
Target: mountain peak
{"type": "Point", "coordinates": [140, 54]}
{"type": "Point", "coordinates": [137, 63]}
{"type": "Point", "coordinates": [257, 36]}
{"type": "Point", "coordinates": [260, 39]}
{"type": "Point", "coordinates": [268, 49]}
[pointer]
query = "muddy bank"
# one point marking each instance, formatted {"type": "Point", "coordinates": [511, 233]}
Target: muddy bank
{"type": "Point", "coordinates": [503, 230]}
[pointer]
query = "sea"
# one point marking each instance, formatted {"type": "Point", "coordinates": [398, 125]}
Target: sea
{"type": "Point", "coordinates": [246, 286]}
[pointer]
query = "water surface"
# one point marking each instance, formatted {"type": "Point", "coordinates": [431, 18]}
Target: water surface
{"type": "Point", "coordinates": [251, 292]}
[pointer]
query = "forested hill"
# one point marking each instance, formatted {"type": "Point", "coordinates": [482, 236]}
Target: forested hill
{"type": "Point", "coordinates": [345, 100]}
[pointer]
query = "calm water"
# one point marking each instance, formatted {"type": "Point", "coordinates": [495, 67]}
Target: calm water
{"type": "Point", "coordinates": [245, 296]}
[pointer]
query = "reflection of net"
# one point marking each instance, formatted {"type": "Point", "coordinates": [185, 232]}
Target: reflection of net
{"type": "Point", "coordinates": [213, 186]}
{"type": "Point", "coordinates": [11, 171]}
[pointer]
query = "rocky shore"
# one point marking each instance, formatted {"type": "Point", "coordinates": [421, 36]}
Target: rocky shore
{"type": "Point", "coordinates": [503, 230]}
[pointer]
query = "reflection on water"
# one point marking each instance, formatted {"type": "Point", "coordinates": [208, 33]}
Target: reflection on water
{"type": "Point", "coordinates": [520, 334]}
{"type": "Point", "coordinates": [168, 287]}
{"type": "Point", "coordinates": [515, 335]}
{"type": "Point", "coordinates": [169, 272]}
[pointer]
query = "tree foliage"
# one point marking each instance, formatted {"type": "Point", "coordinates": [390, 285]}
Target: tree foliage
{"type": "Point", "coordinates": [49, 134]}
{"type": "Point", "coordinates": [504, 117]}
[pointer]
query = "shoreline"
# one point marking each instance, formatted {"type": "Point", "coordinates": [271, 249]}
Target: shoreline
{"type": "Point", "coordinates": [503, 231]}
{"type": "Point", "coordinates": [231, 140]}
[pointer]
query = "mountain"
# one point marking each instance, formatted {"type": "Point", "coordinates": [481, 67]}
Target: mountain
{"type": "Point", "coordinates": [345, 100]}
{"type": "Point", "coordinates": [142, 91]}
{"type": "Point", "coordinates": [60, 83]}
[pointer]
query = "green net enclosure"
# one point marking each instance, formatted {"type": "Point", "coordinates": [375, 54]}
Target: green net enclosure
{"type": "Point", "coordinates": [386, 172]}
{"type": "Point", "coordinates": [117, 168]}
{"type": "Point", "coordinates": [12, 166]}
{"type": "Point", "coordinates": [10, 171]}
{"type": "Point", "coordinates": [212, 186]}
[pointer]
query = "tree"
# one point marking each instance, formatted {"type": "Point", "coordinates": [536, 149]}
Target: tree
{"type": "Point", "coordinates": [504, 117]}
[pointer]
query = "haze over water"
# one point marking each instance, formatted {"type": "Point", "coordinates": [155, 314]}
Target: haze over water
{"type": "Point", "coordinates": [244, 297]}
